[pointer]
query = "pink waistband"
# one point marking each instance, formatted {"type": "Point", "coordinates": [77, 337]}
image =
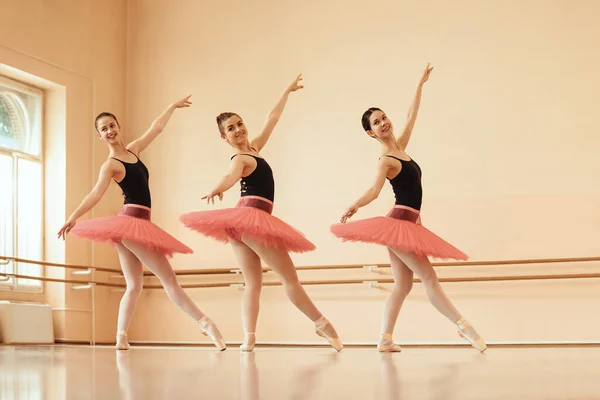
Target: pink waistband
{"type": "Point", "coordinates": [136, 211]}
{"type": "Point", "coordinates": [256, 202]}
{"type": "Point", "coordinates": [404, 213]}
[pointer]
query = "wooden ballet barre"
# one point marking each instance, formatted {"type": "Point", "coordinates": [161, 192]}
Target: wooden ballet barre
{"type": "Point", "coordinates": [229, 271]}
{"type": "Point", "coordinates": [226, 271]}
{"type": "Point", "coordinates": [389, 280]}
{"type": "Point", "coordinates": [206, 271]}
{"type": "Point", "coordinates": [213, 271]}
{"type": "Point", "coordinates": [38, 278]}
{"type": "Point", "coordinates": [68, 266]}
{"type": "Point", "coordinates": [323, 282]}
{"type": "Point", "coordinates": [515, 262]}
{"type": "Point", "coordinates": [461, 263]}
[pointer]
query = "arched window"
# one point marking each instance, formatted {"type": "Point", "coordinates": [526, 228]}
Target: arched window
{"type": "Point", "coordinates": [21, 181]}
{"type": "Point", "coordinates": [6, 123]}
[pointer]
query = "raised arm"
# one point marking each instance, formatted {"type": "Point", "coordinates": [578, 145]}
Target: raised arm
{"type": "Point", "coordinates": [235, 174]}
{"type": "Point", "coordinates": [372, 193]}
{"type": "Point", "coordinates": [404, 138]}
{"type": "Point", "coordinates": [138, 145]}
{"type": "Point", "coordinates": [259, 142]}
{"type": "Point", "coordinates": [107, 171]}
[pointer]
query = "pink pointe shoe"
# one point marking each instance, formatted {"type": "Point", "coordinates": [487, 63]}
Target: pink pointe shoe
{"type": "Point", "coordinates": [321, 323]}
{"type": "Point", "coordinates": [467, 332]}
{"type": "Point", "coordinates": [249, 342]}
{"type": "Point", "coordinates": [387, 345]}
{"type": "Point", "coordinates": [208, 328]}
{"type": "Point", "coordinates": [122, 343]}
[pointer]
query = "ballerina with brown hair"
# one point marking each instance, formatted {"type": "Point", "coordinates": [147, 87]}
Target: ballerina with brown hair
{"type": "Point", "coordinates": [408, 242]}
{"type": "Point", "coordinates": [137, 240]}
{"type": "Point", "coordinates": [253, 233]}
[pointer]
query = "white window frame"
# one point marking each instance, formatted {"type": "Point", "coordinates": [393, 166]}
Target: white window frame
{"type": "Point", "coordinates": [11, 284]}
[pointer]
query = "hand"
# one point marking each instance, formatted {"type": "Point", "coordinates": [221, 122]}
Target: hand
{"type": "Point", "coordinates": [66, 228]}
{"type": "Point", "coordinates": [296, 85]}
{"type": "Point", "coordinates": [426, 74]}
{"type": "Point", "coordinates": [349, 213]}
{"type": "Point", "coordinates": [183, 103]}
{"type": "Point", "coordinates": [211, 196]}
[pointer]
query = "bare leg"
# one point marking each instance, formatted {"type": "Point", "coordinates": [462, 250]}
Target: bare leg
{"type": "Point", "coordinates": [134, 278]}
{"type": "Point", "coordinates": [252, 271]}
{"type": "Point", "coordinates": [403, 283]}
{"type": "Point", "coordinates": [421, 266]}
{"type": "Point", "coordinates": [159, 265]}
{"type": "Point", "coordinates": [279, 260]}
{"type": "Point", "coordinates": [282, 264]}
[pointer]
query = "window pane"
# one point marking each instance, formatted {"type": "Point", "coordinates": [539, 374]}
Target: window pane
{"type": "Point", "coordinates": [6, 127]}
{"type": "Point", "coordinates": [20, 121]}
{"type": "Point", "coordinates": [6, 211]}
{"type": "Point", "coordinates": [29, 218]}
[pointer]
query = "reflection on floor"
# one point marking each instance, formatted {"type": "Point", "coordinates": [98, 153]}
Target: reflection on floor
{"type": "Point", "coordinates": [78, 372]}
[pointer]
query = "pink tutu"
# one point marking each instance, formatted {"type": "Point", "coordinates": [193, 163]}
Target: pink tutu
{"type": "Point", "coordinates": [252, 218]}
{"type": "Point", "coordinates": [132, 223]}
{"type": "Point", "coordinates": [401, 229]}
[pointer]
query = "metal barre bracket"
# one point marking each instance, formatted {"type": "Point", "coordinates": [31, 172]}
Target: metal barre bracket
{"type": "Point", "coordinates": [84, 272]}
{"type": "Point", "coordinates": [371, 284]}
{"type": "Point", "coordinates": [89, 285]}
{"type": "Point", "coordinates": [371, 268]}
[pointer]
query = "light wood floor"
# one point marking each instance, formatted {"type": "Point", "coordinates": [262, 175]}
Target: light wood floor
{"type": "Point", "coordinates": [81, 372]}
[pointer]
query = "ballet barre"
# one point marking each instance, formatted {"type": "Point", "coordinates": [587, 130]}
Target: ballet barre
{"type": "Point", "coordinates": [72, 281]}
{"type": "Point", "coordinates": [86, 270]}
{"type": "Point", "coordinates": [121, 287]}
{"type": "Point", "coordinates": [6, 259]}
{"type": "Point", "coordinates": [4, 278]}
{"type": "Point", "coordinates": [374, 267]}
{"type": "Point", "coordinates": [371, 267]}
{"type": "Point", "coordinates": [373, 283]}
{"type": "Point", "coordinates": [370, 283]}
{"type": "Point", "coordinates": [91, 284]}
{"type": "Point", "coordinates": [118, 287]}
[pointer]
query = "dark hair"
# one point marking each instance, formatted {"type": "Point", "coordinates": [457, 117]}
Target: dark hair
{"type": "Point", "coordinates": [366, 124]}
{"type": "Point", "coordinates": [102, 115]}
{"type": "Point", "coordinates": [223, 117]}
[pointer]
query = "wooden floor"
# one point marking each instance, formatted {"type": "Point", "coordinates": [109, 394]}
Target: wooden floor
{"type": "Point", "coordinates": [81, 372]}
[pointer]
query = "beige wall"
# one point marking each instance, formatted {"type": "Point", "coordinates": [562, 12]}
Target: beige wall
{"type": "Point", "coordinates": [505, 135]}
{"type": "Point", "coordinates": [75, 50]}
{"type": "Point", "coordinates": [506, 138]}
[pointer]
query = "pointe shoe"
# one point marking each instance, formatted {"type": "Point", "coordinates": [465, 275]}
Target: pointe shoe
{"type": "Point", "coordinates": [467, 332]}
{"type": "Point", "coordinates": [387, 345]}
{"type": "Point", "coordinates": [122, 343]}
{"type": "Point", "coordinates": [321, 323]}
{"type": "Point", "coordinates": [249, 342]}
{"type": "Point", "coordinates": [206, 326]}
